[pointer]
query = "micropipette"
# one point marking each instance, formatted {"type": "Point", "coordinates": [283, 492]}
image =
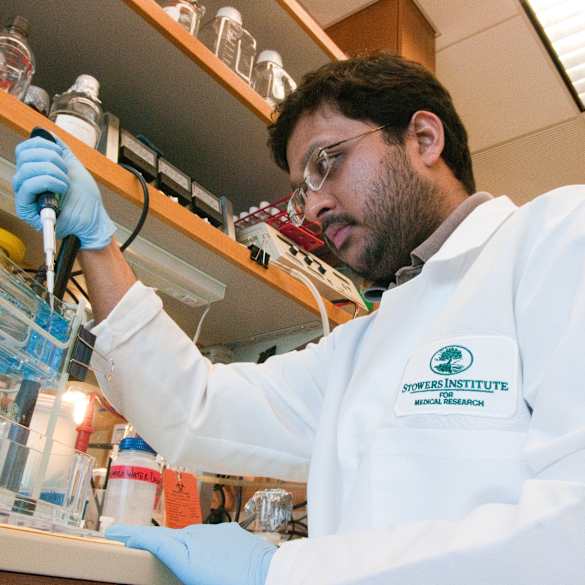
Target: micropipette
{"type": "Point", "coordinates": [49, 206]}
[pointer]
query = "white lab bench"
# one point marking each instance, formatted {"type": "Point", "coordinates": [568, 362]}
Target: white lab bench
{"type": "Point", "coordinates": [32, 557]}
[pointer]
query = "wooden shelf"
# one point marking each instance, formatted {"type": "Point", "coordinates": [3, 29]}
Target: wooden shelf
{"type": "Point", "coordinates": [257, 300]}
{"type": "Point", "coordinates": [214, 67]}
{"type": "Point", "coordinates": [162, 82]}
{"type": "Point", "coordinates": [167, 85]}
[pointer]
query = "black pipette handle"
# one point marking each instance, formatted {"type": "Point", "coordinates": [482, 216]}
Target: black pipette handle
{"type": "Point", "coordinates": [70, 244]}
{"type": "Point", "coordinates": [47, 198]}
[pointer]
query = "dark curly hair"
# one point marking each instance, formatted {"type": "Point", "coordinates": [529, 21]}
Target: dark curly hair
{"type": "Point", "coordinates": [384, 89]}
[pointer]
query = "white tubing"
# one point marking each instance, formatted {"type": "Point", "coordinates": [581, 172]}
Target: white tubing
{"type": "Point", "coordinates": [307, 282]}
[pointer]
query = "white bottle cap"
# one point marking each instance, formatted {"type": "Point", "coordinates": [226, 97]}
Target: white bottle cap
{"type": "Point", "coordinates": [268, 55]}
{"type": "Point", "coordinates": [88, 85]}
{"type": "Point", "coordinates": [231, 13]}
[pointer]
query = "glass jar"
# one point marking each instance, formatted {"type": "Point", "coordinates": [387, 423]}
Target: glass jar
{"type": "Point", "coordinates": [38, 99]}
{"type": "Point", "coordinates": [17, 62]}
{"type": "Point", "coordinates": [79, 110]}
{"type": "Point", "coordinates": [225, 36]}
{"type": "Point", "coordinates": [188, 13]}
{"type": "Point", "coordinates": [270, 80]}
{"type": "Point", "coordinates": [133, 482]}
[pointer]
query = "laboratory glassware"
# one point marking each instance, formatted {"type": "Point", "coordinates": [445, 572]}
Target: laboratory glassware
{"type": "Point", "coordinates": [188, 13]}
{"type": "Point", "coordinates": [133, 483]}
{"type": "Point", "coordinates": [36, 348]}
{"type": "Point", "coordinates": [17, 62]}
{"type": "Point", "coordinates": [79, 110]}
{"type": "Point", "coordinates": [270, 79]}
{"type": "Point", "coordinates": [38, 99]}
{"type": "Point", "coordinates": [272, 511]}
{"type": "Point", "coordinates": [230, 41]}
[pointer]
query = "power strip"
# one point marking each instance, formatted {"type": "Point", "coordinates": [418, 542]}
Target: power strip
{"type": "Point", "coordinates": [333, 285]}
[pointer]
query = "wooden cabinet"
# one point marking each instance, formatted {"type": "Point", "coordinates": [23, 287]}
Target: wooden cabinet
{"type": "Point", "coordinates": [165, 84]}
{"type": "Point", "coordinates": [397, 26]}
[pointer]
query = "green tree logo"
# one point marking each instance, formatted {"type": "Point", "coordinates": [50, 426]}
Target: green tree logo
{"type": "Point", "coordinates": [450, 360]}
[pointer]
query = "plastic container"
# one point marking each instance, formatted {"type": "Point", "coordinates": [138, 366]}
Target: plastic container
{"type": "Point", "coordinates": [270, 80]}
{"type": "Point", "coordinates": [17, 62]}
{"type": "Point", "coordinates": [188, 13]}
{"type": "Point", "coordinates": [79, 110]}
{"type": "Point", "coordinates": [230, 41]}
{"type": "Point", "coordinates": [133, 482]}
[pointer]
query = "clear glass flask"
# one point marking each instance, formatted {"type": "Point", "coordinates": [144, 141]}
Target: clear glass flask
{"type": "Point", "coordinates": [79, 110]}
{"type": "Point", "coordinates": [230, 41]}
{"type": "Point", "coordinates": [17, 62]}
{"type": "Point", "coordinates": [270, 79]}
{"type": "Point", "coordinates": [188, 13]}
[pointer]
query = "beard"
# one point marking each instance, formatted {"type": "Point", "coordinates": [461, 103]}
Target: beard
{"type": "Point", "coordinates": [401, 211]}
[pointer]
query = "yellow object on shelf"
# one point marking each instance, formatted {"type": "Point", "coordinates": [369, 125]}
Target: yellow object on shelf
{"type": "Point", "coordinates": [12, 246]}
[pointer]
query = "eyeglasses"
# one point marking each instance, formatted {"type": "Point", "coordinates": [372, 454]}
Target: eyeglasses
{"type": "Point", "coordinates": [317, 169]}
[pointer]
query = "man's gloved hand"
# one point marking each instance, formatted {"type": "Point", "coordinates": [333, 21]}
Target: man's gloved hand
{"type": "Point", "coordinates": [203, 554]}
{"type": "Point", "coordinates": [41, 166]}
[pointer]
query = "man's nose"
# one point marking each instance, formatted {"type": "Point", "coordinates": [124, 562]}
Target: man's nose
{"type": "Point", "coordinates": [318, 203]}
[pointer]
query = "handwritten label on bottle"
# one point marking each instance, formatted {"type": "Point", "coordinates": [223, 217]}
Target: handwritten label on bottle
{"type": "Point", "coordinates": [135, 473]}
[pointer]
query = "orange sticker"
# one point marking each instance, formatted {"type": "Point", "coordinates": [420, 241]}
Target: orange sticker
{"type": "Point", "coordinates": [181, 499]}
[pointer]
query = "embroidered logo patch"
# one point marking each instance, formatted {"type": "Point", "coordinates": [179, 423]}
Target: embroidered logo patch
{"type": "Point", "coordinates": [472, 375]}
{"type": "Point", "coordinates": [451, 359]}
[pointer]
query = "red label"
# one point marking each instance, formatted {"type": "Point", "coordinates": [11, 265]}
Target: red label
{"type": "Point", "coordinates": [135, 473]}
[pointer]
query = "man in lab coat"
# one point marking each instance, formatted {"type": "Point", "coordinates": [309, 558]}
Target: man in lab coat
{"type": "Point", "coordinates": [443, 436]}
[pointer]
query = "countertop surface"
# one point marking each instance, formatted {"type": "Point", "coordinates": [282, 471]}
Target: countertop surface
{"type": "Point", "coordinates": [24, 550]}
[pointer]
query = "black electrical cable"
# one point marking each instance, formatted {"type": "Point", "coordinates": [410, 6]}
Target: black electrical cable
{"type": "Point", "coordinates": [145, 207]}
{"type": "Point", "coordinates": [79, 287]}
{"type": "Point", "coordinates": [143, 214]}
{"type": "Point", "coordinates": [238, 503]}
{"type": "Point", "coordinates": [72, 295]}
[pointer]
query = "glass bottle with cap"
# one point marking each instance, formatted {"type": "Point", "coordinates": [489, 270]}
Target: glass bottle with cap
{"type": "Point", "coordinates": [132, 484]}
{"type": "Point", "coordinates": [188, 13]}
{"type": "Point", "coordinates": [79, 110]}
{"type": "Point", "coordinates": [17, 62]}
{"type": "Point", "coordinates": [38, 99]}
{"type": "Point", "coordinates": [226, 36]}
{"type": "Point", "coordinates": [270, 79]}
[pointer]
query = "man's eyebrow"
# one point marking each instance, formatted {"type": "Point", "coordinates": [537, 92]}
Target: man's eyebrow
{"type": "Point", "coordinates": [305, 159]}
{"type": "Point", "coordinates": [315, 146]}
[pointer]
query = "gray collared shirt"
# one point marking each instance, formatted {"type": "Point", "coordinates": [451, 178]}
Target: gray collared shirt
{"type": "Point", "coordinates": [430, 246]}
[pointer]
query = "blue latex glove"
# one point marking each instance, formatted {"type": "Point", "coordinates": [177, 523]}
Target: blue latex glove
{"type": "Point", "coordinates": [203, 554]}
{"type": "Point", "coordinates": [45, 166]}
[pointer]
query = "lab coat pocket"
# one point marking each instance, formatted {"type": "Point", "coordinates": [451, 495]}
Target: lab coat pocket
{"type": "Point", "coordinates": [421, 474]}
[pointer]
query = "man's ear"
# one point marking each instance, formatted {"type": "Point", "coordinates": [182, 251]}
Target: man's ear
{"type": "Point", "coordinates": [427, 129]}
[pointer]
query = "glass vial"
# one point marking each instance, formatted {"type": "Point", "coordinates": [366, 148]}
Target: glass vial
{"type": "Point", "coordinates": [133, 482]}
{"type": "Point", "coordinates": [270, 79]}
{"type": "Point", "coordinates": [17, 63]}
{"type": "Point", "coordinates": [79, 110]}
{"type": "Point", "coordinates": [188, 13]}
{"type": "Point", "coordinates": [225, 36]}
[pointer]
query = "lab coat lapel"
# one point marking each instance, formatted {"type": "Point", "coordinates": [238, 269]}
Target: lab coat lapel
{"type": "Point", "coordinates": [476, 229]}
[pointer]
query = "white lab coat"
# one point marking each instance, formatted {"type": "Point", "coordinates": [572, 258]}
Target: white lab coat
{"type": "Point", "coordinates": [477, 484]}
